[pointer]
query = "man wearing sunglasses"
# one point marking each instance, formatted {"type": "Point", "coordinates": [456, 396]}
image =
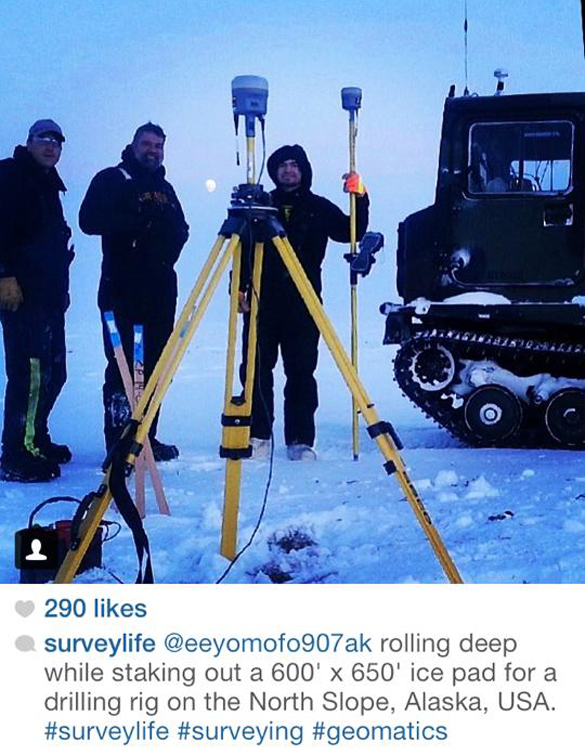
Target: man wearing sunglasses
{"type": "Point", "coordinates": [34, 294]}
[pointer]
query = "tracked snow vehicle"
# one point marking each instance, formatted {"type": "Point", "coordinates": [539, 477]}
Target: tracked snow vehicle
{"type": "Point", "coordinates": [492, 275]}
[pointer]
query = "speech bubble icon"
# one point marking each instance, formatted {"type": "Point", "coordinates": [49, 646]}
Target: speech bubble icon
{"type": "Point", "coordinates": [24, 643]}
{"type": "Point", "coordinates": [24, 608]}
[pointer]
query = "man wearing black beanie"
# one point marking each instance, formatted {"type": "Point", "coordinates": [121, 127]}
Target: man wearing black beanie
{"type": "Point", "coordinates": [283, 319]}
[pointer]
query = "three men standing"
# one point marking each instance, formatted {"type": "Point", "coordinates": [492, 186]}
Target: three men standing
{"type": "Point", "coordinates": [143, 230]}
{"type": "Point", "coordinates": [34, 295]}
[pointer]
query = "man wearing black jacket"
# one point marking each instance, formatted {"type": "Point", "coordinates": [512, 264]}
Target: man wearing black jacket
{"type": "Point", "coordinates": [34, 294]}
{"type": "Point", "coordinates": [143, 230]}
{"type": "Point", "coordinates": [283, 320]}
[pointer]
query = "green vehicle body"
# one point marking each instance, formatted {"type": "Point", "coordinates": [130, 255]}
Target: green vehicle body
{"type": "Point", "coordinates": [493, 274]}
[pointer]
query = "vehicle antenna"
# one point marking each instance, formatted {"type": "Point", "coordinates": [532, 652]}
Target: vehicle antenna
{"type": "Point", "coordinates": [465, 27]}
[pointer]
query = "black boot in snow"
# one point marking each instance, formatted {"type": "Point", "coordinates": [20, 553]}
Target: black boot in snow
{"type": "Point", "coordinates": [163, 452]}
{"type": "Point", "coordinates": [28, 468]}
{"type": "Point", "coordinates": [55, 452]}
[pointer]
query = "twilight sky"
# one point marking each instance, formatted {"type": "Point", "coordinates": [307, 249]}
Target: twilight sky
{"type": "Point", "coordinates": [101, 68]}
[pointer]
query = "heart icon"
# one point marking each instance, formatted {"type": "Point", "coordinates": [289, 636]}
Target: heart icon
{"type": "Point", "coordinates": [24, 608]}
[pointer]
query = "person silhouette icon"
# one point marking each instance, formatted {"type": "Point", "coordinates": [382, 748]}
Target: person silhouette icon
{"type": "Point", "coordinates": [35, 555]}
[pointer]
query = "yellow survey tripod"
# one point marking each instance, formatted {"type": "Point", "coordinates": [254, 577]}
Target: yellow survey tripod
{"type": "Point", "coordinates": [250, 218]}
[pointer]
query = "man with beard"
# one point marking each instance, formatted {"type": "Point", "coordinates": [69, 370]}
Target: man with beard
{"type": "Point", "coordinates": [283, 320]}
{"type": "Point", "coordinates": [143, 229]}
{"type": "Point", "coordinates": [34, 286]}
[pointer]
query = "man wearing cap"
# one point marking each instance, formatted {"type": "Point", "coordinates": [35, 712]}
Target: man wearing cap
{"type": "Point", "coordinates": [143, 230]}
{"type": "Point", "coordinates": [283, 321]}
{"type": "Point", "coordinates": [34, 294]}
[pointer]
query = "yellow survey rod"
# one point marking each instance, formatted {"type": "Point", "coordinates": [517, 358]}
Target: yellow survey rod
{"type": "Point", "coordinates": [353, 287]}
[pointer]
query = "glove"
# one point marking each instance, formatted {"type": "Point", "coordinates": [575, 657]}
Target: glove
{"type": "Point", "coordinates": [352, 182]}
{"type": "Point", "coordinates": [10, 294]}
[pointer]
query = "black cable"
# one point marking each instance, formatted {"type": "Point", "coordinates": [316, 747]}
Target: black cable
{"type": "Point", "coordinates": [114, 576]}
{"type": "Point", "coordinates": [263, 149]}
{"type": "Point", "coordinates": [583, 21]}
{"type": "Point", "coordinates": [107, 524]}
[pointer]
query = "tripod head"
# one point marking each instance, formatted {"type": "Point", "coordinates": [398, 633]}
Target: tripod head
{"type": "Point", "coordinates": [249, 99]}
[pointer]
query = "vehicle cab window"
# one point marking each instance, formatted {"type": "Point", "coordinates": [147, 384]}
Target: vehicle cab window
{"type": "Point", "coordinates": [520, 157]}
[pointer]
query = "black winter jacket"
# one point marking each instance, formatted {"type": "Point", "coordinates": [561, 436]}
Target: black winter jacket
{"type": "Point", "coordinates": [34, 236]}
{"type": "Point", "coordinates": [143, 231]}
{"type": "Point", "coordinates": [309, 221]}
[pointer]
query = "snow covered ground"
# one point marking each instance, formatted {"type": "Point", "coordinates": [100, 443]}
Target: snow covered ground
{"type": "Point", "coordinates": [506, 516]}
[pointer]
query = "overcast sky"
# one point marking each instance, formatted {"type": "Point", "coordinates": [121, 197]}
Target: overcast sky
{"type": "Point", "coordinates": [101, 68]}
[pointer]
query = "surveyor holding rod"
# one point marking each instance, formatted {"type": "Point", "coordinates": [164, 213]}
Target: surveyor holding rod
{"type": "Point", "coordinates": [283, 319]}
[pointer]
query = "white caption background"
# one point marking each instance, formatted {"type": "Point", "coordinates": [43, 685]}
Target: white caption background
{"type": "Point", "coordinates": [390, 669]}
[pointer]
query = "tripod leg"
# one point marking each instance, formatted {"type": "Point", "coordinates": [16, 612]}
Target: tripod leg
{"type": "Point", "coordinates": [253, 330]}
{"type": "Point", "coordinates": [382, 432]}
{"type": "Point", "coordinates": [237, 409]}
{"type": "Point", "coordinates": [148, 404]}
{"type": "Point", "coordinates": [155, 392]}
{"type": "Point", "coordinates": [87, 531]}
{"type": "Point", "coordinates": [170, 350]}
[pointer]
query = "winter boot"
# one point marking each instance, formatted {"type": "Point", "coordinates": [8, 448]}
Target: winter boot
{"type": "Point", "coordinates": [28, 468]}
{"type": "Point", "coordinates": [163, 452]}
{"type": "Point", "coordinates": [54, 452]}
{"type": "Point", "coordinates": [260, 448]}
{"type": "Point", "coordinates": [297, 451]}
